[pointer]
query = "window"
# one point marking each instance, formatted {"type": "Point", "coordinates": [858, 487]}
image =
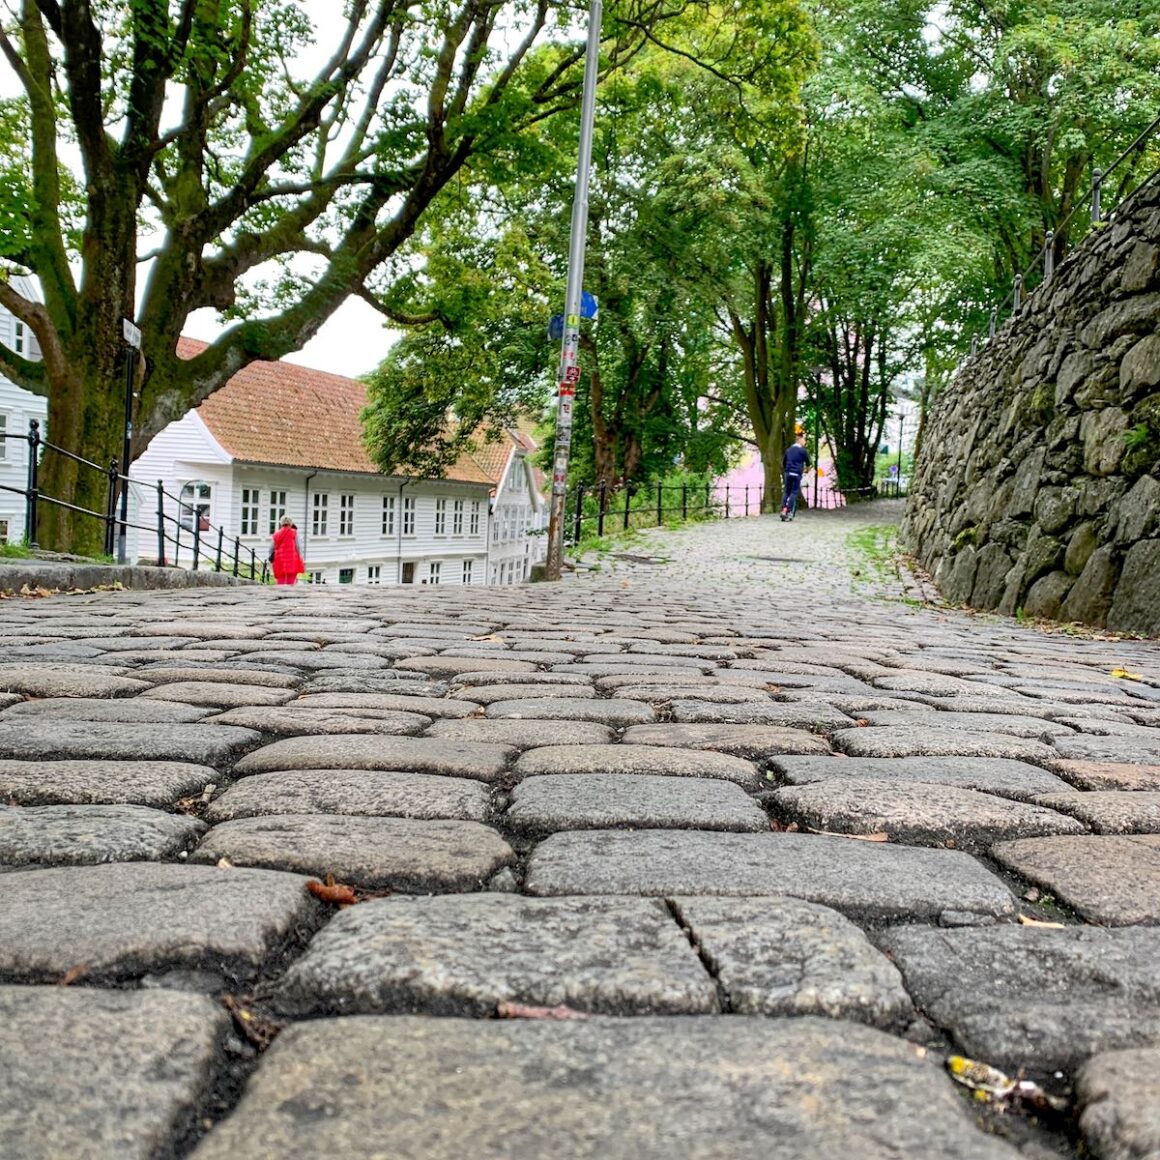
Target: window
{"type": "Point", "coordinates": [433, 572]}
{"type": "Point", "coordinates": [495, 525]}
{"type": "Point", "coordinates": [388, 515]}
{"type": "Point", "coordinates": [441, 517]}
{"type": "Point", "coordinates": [409, 569]}
{"type": "Point", "coordinates": [277, 510]}
{"type": "Point", "coordinates": [321, 504]}
{"type": "Point", "coordinates": [468, 568]}
{"type": "Point", "coordinates": [408, 515]}
{"type": "Point", "coordinates": [346, 515]}
{"type": "Point", "coordinates": [18, 336]}
{"type": "Point", "coordinates": [346, 575]}
{"type": "Point", "coordinates": [195, 504]}
{"type": "Point", "coordinates": [475, 517]}
{"type": "Point", "coordinates": [457, 518]}
{"type": "Point", "coordinates": [374, 574]}
{"type": "Point", "coordinates": [3, 531]}
{"type": "Point", "coordinates": [3, 431]}
{"type": "Point", "coordinates": [315, 578]}
{"type": "Point", "coordinates": [249, 511]}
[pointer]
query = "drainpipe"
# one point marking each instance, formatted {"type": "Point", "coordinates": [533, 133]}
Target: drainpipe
{"type": "Point", "coordinates": [399, 519]}
{"type": "Point", "coordinates": [306, 516]}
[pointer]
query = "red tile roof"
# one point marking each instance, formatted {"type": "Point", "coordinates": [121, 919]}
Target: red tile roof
{"type": "Point", "coordinates": [281, 414]}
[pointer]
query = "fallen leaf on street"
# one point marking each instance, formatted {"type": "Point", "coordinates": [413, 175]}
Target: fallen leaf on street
{"type": "Point", "coordinates": [1025, 921]}
{"type": "Point", "coordinates": [490, 636]}
{"type": "Point", "coordinates": [878, 837]}
{"type": "Point", "coordinates": [509, 1010]}
{"type": "Point", "coordinates": [224, 864]}
{"type": "Point", "coordinates": [259, 1029]}
{"type": "Point", "coordinates": [778, 828]}
{"type": "Point", "coordinates": [990, 1085]}
{"type": "Point", "coordinates": [1124, 675]}
{"type": "Point", "coordinates": [73, 974]}
{"type": "Point", "coordinates": [337, 893]}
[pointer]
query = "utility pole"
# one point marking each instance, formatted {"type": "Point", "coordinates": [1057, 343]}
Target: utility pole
{"type": "Point", "coordinates": [569, 373]}
{"type": "Point", "coordinates": [132, 338]}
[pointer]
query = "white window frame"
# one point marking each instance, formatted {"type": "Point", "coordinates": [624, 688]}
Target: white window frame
{"type": "Point", "coordinates": [440, 517]}
{"type": "Point", "coordinates": [346, 515]}
{"type": "Point", "coordinates": [277, 509]}
{"type": "Point", "coordinates": [320, 513]}
{"type": "Point", "coordinates": [374, 574]}
{"type": "Point", "coordinates": [409, 515]}
{"type": "Point", "coordinates": [315, 578]}
{"type": "Point", "coordinates": [434, 572]}
{"type": "Point", "coordinates": [388, 515]}
{"type": "Point", "coordinates": [251, 509]}
{"type": "Point", "coordinates": [18, 336]}
{"type": "Point", "coordinates": [457, 517]}
{"type": "Point", "coordinates": [474, 517]}
{"type": "Point", "coordinates": [3, 431]}
{"type": "Point", "coordinates": [468, 569]}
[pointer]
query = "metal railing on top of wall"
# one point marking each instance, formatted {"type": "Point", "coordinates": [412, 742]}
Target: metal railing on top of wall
{"type": "Point", "coordinates": [224, 553]}
{"type": "Point", "coordinates": [1043, 263]}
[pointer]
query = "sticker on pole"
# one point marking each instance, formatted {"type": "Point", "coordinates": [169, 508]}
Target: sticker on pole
{"type": "Point", "coordinates": [572, 374]}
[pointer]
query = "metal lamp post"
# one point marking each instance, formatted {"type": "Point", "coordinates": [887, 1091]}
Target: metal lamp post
{"type": "Point", "coordinates": [569, 373]}
{"type": "Point", "coordinates": [133, 343]}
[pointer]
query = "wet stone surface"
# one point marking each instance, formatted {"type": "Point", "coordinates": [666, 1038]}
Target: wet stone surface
{"type": "Point", "coordinates": [75, 835]}
{"type": "Point", "coordinates": [464, 955]}
{"type": "Point", "coordinates": [696, 1087]}
{"type": "Point", "coordinates": [373, 852]}
{"type": "Point", "coordinates": [103, 1073]}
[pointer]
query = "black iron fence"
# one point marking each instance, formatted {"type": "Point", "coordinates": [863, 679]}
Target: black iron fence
{"type": "Point", "coordinates": [203, 545]}
{"type": "Point", "coordinates": [594, 509]}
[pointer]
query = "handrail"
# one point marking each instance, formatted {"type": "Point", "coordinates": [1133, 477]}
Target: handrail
{"type": "Point", "coordinates": [1044, 259]}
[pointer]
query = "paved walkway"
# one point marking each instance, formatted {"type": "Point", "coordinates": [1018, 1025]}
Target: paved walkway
{"type": "Point", "coordinates": [716, 852]}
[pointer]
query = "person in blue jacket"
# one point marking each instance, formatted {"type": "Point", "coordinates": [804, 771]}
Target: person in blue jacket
{"type": "Point", "coordinates": [797, 459]}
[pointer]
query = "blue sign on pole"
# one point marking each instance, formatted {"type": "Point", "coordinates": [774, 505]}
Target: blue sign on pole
{"type": "Point", "coordinates": [589, 307]}
{"type": "Point", "coordinates": [556, 327]}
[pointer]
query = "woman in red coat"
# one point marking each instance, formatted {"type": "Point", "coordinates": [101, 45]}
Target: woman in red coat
{"type": "Point", "coordinates": [288, 561]}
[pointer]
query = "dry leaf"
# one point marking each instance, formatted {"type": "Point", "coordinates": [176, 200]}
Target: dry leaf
{"type": "Point", "coordinates": [1025, 921]}
{"type": "Point", "coordinates": [259, 1029]}
{"type": "Point", "coordinates": [73, 974]}
{"type": "Point", "coordinates": [337, 893]}
{"type": "Point", "coordinates": [510, 1010]}
{"type": "Point", "coordinates": [224, 864]}
{"type": "Point", "coordinates": [491, 636]}
{"type": "Point", "coordinates": [1124, 675]}
{"type": "Point", "coordinates": [879, 837]}
{"type": "Point", "coordinates": [778, 828]}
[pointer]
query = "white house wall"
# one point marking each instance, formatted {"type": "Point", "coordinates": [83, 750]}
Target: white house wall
{"type": "Point", "coordinates": [517, 514]}
{"type": "Point", "coordinates": [17, 407]}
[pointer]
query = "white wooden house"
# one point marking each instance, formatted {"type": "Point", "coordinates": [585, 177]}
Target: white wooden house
{"type": "Point", "coordinates": [280, 439]}
{"type": "Point", "coordinates": [17, 407]}
{"type": "Point", "coordinates": [519, 512]}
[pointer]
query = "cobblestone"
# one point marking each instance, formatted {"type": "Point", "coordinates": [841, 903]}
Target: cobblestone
{"type": "Point", "coordinates": [584, 790]}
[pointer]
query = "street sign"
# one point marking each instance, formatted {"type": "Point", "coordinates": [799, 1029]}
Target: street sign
{"type": "Point", "coordinates": [131, 333]}
{"type": "Point", "coordinates": [556, 327]}
{"type": "Point", "coordinates": [589, 306]}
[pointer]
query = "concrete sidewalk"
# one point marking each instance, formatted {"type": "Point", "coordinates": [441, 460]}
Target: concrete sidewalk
{"type": "Point", "coordinates": [719, 851]}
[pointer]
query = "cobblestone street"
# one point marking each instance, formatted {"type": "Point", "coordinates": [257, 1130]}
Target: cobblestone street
{"type": "Point", "coordinates": [717, 849]}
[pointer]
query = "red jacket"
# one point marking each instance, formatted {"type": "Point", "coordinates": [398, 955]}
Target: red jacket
{"type": "Point", "coordinates": [287, 560]}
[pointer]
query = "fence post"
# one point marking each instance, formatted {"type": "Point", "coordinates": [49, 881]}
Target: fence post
{"type": "Point", "coordinates": [237, 550]}
{"type": "Point", "coordinates": [265, 571]}
{"type": "Point", "coordinates": [253, 565]}
{"type": "Point", "coordinates": [110, 506]}
{"type": "Point", "coordinates": [603, 507]}
{"type": "Point", "coordinates": [196, 538]}
{"type": "Point", "coordinates": [1097, 178]}
{"type": "Point", "coordinates": [1049, 255]}
{"type": "Point", "coordinates": [660, 504]}
{"type": "Point", "coordinates": [627, 502]}
{"type": "Point", "coordinates": [727, 490]}
{"type": "Point", "coordinates": [747, 499]}
{"type": "Point", "coordinates": [218, 563]}
{"type": "Point", "coordinates": [160, 524]}
{"type": "Point", "coordinates": [579, 514]}
{"type": "Point", "coordinates": [1017, 292]}
{"type": "Point", "coordinates": [30, 529]}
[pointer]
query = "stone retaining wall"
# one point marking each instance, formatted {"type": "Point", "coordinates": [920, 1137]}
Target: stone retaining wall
{"type": "Point", "coordinates": [1038, 483]}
